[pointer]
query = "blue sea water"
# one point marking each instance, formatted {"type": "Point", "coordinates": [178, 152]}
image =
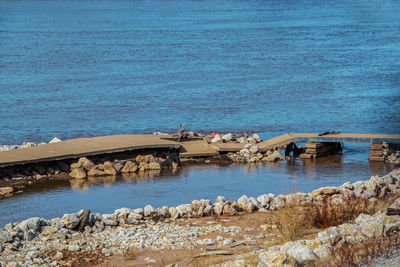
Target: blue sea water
{"type": "Point", "coordinates": [87, 68]}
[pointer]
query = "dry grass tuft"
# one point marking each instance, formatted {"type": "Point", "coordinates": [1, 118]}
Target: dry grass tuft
{"type": "Point", "coordinates": [292, 222]}
{"type": "Point", "coordinates": [326, 214]}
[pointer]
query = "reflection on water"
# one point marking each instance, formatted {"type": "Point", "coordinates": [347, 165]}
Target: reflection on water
{"type": "Point", "coordinates": [84, 184]}
{"type": "Point", "coordinates": [105, 194]}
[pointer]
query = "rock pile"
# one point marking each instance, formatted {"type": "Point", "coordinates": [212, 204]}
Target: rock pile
{"type": "Point", "coordinates": [251, 153]}
{"type": "Point", "coordinates": [235, 138]}
{"type": "Point", "coordinates": [84, 167]}
{"type": "Point", "coordinates": [26, 145]}
{"type": "Point", "coordinates": [391, 153]}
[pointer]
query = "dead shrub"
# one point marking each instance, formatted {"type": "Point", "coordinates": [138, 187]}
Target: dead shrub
{"type": "Point", "coordinates": [324, 214]}
{"type": "Point", "coordinates": [292, 221]}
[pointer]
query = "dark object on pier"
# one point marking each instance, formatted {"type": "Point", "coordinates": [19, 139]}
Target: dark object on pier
{"type": "Point", "coordinates": [292, 147]}
{"type": "Point", "coordinates": [246, 135]}
{"type": "Point", "coordinates": [173, 157]}
{"type": "Point", "coordinates": [83, 220]}
{"type": "Point", "coordinates": [181, 132]}
{"type": "Point", "coordinates": [328, 133]}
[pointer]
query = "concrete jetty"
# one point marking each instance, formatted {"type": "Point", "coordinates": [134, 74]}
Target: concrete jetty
{"type": "Point", "coordinates": [196, 147]}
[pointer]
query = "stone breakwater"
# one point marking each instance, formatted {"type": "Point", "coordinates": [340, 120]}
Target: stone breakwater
{"type": "Point", "coordinates": [142, 163]}
{"type": "Point", "coordinates": [251, 153]}
{"type": "Point", "coordinates": [25, 243]}
{"type": "Point", "coordinates": [85, 168]}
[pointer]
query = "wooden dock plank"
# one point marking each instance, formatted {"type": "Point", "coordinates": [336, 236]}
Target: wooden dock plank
{"type": "Point", "coordinates": [278, 141]}
{"type": "Point", "coordinates": [83, 147]}
{"type": "Point", "coordinates": [347, 137]}
{"type": "Point", "coordinates": [79, 147]}
{"type": "Point", "coordinates": [228, 147]}
{"type": "Point", "coordinates": [197, 148]}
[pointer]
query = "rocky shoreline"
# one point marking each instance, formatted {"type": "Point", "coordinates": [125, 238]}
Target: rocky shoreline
{"type": "Point", "coordinates": [29, 242]}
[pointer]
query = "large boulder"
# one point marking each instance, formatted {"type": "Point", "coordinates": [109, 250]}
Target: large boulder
{"type": "Point", "coordinates": [49, 230]}
{"type": "Point", "coordinates": [218, 208]}
{"type": "Point", "coordinates": [329, 190]}
{"type": "Point", "coordinates": [123, 212]}
{"type": "Point", "coordinates": [136, 214]}
{"type": "Point", "coordinates": [154, 166]}
{"type": "Point", "coordinates": [273, 256]}
{"type": "Point", "coordinates": [30, 224]}
{"type": "Point", "coordinates": [227, 137]}
{"type": "Point", "coordinates": [96, 172]}
{"type": "Point", "coordinates": [277, 202]}
{"type": "Point", "coordinates": [118, 166]}
{"type": "Point", "coordinates": [184, 210]}
{"type": "Point", "coordinates": [86, 163]}
{"type": "Point", "coordinates": [253, 149]}
{"type": "Point", "coordinates": [301, 253]}
{"type": "Point", "coordinates": [274, 156]}
{"type": "Point", "coordinates": [173, 212]}
{"type": "Point", "coordinates": [6, 190]}
{"type": "Point", "coordinates": [78, 173]}
{"type": "Point", "coordinates": [149, 211]}
{"type": "Point", "coordinates": [229, 209]}
{"type": "Point", "coordinates": [145, 158]}
{"type": "Point", "coordinates": [245, 204]}
{"type": "Point", "coordinates": [70, 221]}
{"type": "Point", "coordinates": [256, 137]}
{"type": "Point", "coordinates": [109, 169]}
{"type": "Point", "coordinates": [264, 200]}
{"type": "Point", "coordinates": [329, 236]}
{"type": "Point", "coordinates": [323, 251]}
{"type": "Point", "coordinates": [129, 167]}
{"type": "Point", "coordinates": [143, 166]}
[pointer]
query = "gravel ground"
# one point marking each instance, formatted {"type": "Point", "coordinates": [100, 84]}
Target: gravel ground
{"type": "Point", "coordinates": [392, 260]}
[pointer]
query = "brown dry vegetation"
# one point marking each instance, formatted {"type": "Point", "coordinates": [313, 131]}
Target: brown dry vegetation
{"type": "Point", "coordinates": [295, 222]}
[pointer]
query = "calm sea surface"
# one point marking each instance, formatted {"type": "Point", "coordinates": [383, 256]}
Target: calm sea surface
{"type": "Point", "coordinates": [86, 68]}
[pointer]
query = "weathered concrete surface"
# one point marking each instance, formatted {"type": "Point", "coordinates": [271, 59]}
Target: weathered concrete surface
{"type": "Point", "coordinates": [197, 148]}
{"type": "Point", "coordinates": [81, 147]}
